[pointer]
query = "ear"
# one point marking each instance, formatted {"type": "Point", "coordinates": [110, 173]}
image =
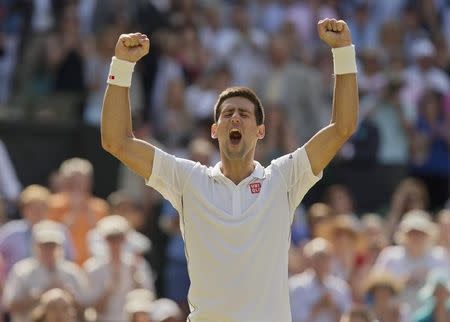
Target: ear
{"type": "Point", "coordinates": [261, 131]}
{"type": "Point", "coordinates": [214, 131]}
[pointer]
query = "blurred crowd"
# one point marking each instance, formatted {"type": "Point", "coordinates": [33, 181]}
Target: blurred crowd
{"type": "Point", "coordinates": [67, 255]}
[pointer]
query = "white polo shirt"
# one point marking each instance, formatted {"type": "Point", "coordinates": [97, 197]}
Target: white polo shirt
{"type": "Point", "coordinates": [236, 237]}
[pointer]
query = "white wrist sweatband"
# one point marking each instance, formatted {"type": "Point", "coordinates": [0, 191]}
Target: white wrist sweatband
{"type": "Point", "coordinates": [344, 60]}
{"type": "Point", "coordinates": [120, 72]}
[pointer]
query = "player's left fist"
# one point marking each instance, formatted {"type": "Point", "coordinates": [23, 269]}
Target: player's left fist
{"type": "Point", "coordinates": [334, 33]}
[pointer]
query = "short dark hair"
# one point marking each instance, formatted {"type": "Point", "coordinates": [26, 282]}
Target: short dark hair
{"type": "Point", "coordinates": [240, 91]}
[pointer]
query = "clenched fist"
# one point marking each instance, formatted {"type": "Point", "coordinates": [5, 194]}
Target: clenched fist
{"type": "Point", "coordinates": [132, 47]}
{"type": "Point", "coordinates": [334, 32]}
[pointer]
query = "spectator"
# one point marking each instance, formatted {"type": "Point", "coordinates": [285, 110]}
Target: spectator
{"type": "Point", "coordinates": [316, 295]}
{"type": "Point", "coordinates": [55, 305]}
{"type": "Point", "coordinates": [16, 238]}
{"type": "Point", "coordinates": [394, 129]}
{"type": "Point", "coordinates": [344, 232]}
{"type": "Point", "coordinates": [431, 148]}
{"type": "Point", "coordinates": [116, 274]}
{"type": "Point", "coordinates": [382, 291]}
{"type": "Point", "coordinates": [364, 31]}
{"type": "Point", "coordinates": [305, 110]}
{"type": "Point", "coordinates": [436, 298]}
{"type": "Point", "coordinates": [415, 255]}
{"type": "Point", "coordinates": [423, 75]}
{"type": "Point", "coordinates": [410, 194]}
{"type": "Point", "coordinates": [76, 207]}
{"type": "Point", "coordinates": [248, 46]}
{"type": "Point", "coordinates": [32, 277]}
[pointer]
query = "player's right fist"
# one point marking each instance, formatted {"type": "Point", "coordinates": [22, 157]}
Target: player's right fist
{"type": "Point", "coordinates": [132, 47]}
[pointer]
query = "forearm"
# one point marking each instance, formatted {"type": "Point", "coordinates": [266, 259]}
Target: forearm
{"type": "Point", "coordinates": [116, 126]}
{"type": "Point", "coordinates": [345, 104]}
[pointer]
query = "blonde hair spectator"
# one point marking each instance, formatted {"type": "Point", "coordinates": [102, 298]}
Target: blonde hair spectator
{"type": "Point", "coordinates": [76, 165]}
{"type": "Point", "coordinates": [33, 193]}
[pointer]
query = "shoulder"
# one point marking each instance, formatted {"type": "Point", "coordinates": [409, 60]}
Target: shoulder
{"type": "Point", "coordinates": [300, 281]}
{"type": "Point", "coordinates": [94, 264]}
{"type": "Point", "coordinates": [71, 268]}
{"type": "Point", "coordinates": [11, 228]}
{"type": "Point", "coordinates": [25, 267]}
{"type": "Point", "coordinates": [439, 253]}
{"type": "Point", "coordinates": [338, 284]}
{"type": "Point", "coordinates": [393, 253]}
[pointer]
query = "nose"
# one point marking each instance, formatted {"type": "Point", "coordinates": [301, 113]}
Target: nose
{"type": "Point", "coordinates": [235, 119]}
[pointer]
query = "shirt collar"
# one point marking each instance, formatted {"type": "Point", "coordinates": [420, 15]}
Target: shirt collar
{"type": "Point", "coordinates": [258, 172]}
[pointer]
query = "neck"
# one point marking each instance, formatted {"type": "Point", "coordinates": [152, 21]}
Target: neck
{"type": "Point", "coordinates": [237, 170]}
{"type": "Point", "coordinates": [115, 257]}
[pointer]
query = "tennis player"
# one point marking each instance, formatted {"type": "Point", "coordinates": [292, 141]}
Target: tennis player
{"type": "Point", "coordinates": [235, 217]}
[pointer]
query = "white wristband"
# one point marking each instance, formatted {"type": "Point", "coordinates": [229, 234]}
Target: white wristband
{"type": "Point", "coordinates": [120, 72]}
{"type": "Point", "coordinates": [344, 60]}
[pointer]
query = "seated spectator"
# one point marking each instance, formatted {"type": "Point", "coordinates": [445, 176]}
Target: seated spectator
{"type": "Point", "coordinates": [436, 298]}
{"type": "Point", "coordinates": [55, 305]}
{"type": "Point", "coordinates": [316, 295]}
{"type": "Point", "coordinates": [165, 310]}
{"type": "Point", "coordinates": [410, 194]}
{"type": "Point", "coordinates": [415, 254]}
{"type": "Point", "coordinates": [138, 305]}
{"type": "Point", "coordinates": [16, 242]}
{"type": "Point", "coordinates": [113, 276]}
{"type": "Point", "coordinates": [376, 241]}
{"type": "Point", "coordinates": [47, 269]}
{"type": "Point", "coordinates": [136, 243]}
{"type": "Point", "coordinates": [373, 228]}
{"type": "Point", "coordinates": [344, 232]}
{"type": "Point", "coordinates": [382, 291]}
{"type": "Point", "coordinates": [76, 207]}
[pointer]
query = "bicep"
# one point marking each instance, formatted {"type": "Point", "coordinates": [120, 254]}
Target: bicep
{"type": "Point", "coordinates": [323, 146]}
{"type": "Point", "coordinates": [138, 156]}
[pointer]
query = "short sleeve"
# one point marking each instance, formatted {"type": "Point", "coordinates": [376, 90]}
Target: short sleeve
{"type": "Point", "coordinates": [169, 175]}
{"type": "Point", "coordinates": [296, 171]}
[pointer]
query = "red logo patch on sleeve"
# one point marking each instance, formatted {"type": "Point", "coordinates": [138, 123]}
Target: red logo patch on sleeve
{"type": "Point", "coordinates": [112, 77]}
{"type": "Point", "coordinates": [255, 187]}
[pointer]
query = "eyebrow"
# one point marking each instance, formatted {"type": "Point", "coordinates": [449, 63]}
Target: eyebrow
{"type": "Point", "coordinates": [232, 108]}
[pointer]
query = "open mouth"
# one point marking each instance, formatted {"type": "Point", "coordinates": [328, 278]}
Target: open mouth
{"type": "Point", "coordinates": [235, 136]}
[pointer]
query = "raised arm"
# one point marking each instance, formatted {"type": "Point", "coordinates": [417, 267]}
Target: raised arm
{"type": "Point", "coordinates": [326, 143]}
{"type": "Point", "coordinates": [116, 128]}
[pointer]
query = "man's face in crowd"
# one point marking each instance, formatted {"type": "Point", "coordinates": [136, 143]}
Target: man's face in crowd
{"type": "Point", "coordinates": [35, 211]}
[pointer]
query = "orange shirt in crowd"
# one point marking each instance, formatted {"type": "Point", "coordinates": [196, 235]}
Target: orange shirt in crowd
{"type": "Point", "coordinates": [78, 221]}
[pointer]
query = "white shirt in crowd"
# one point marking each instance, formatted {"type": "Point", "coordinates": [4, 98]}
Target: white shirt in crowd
{"type": "Point", "coordinates": [237, 237]}
{"type": "Point", "coordinates": [306, 290]}
{"type": "Point", "coordinates": [29, 278]}
{"type": "Point", "coordinates": [395, 260]}
{"type": "Point", "coordinates": [99, 271]}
